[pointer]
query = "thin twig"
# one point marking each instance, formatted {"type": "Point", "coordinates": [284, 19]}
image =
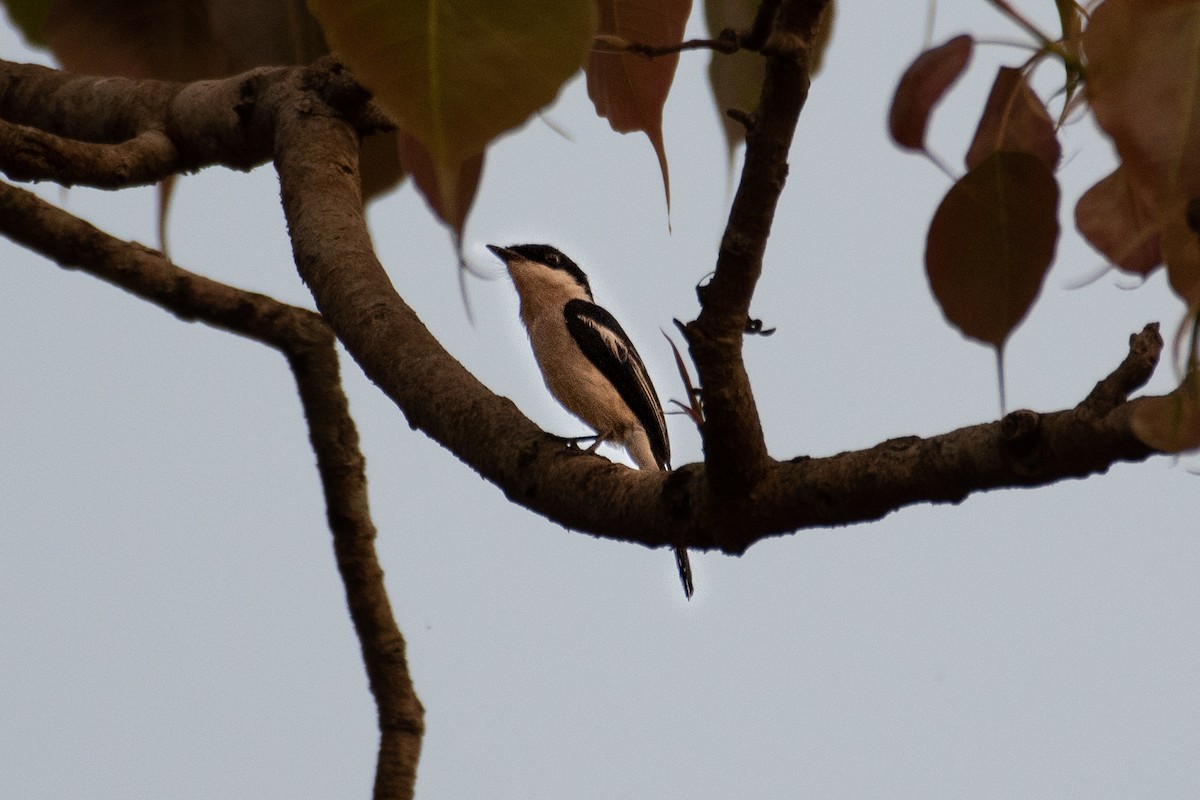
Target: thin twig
{"type": "Point", "coordinates": [29, 154]}
{"type": "Point", "coordinates": [734, 445]}
{"type": "Point", "coordinates": [727, 42]}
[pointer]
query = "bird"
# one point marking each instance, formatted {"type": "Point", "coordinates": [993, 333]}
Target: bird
{"type": "Point", "coordinates": [588, 362]}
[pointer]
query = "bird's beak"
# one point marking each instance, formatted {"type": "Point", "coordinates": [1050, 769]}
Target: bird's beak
{"type": "Point", "coordinates": [502, 253]}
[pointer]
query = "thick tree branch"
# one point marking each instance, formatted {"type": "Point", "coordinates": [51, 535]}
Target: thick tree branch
{"type": "Point", "coordinates": [735, 450]}
{"type": "Point", "coordinates": [206, 123]}
{"type": "Point", "coordinates": [309, 347]}
{"type": "Point", "coordinates": [317, 166]}
{"type": "Point", "coordinates": [315, 151]}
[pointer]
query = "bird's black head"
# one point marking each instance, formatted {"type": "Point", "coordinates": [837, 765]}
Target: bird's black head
{"type": "Point", "coordinates": [544, 254]}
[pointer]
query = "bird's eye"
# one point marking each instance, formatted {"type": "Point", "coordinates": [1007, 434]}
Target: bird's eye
{"type": "Point", "coordinates": [553, 259]}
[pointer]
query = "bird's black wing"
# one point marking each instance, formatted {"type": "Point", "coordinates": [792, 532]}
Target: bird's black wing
{"type": "Point", "coordinates": [606, 345]}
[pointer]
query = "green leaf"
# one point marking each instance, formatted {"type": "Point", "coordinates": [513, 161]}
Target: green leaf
{"type": "Point", "coordinates": [455, 74]}
{"type": "Point", "coordinates": [991, 242]}
{"type": "Point", "coordinates": [417, 162]}
{"type": "Point", "coordinates": [30, 17]}
{"type": "Point", "coordinates": [736, 79]}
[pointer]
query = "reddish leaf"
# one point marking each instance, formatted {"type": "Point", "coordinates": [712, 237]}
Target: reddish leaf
{"type": "Point", "coordinates": [921, 87]}
{"type": "Point", "coordinates": [1170, 424]}
{"type": "Point", "coordinates": [631, 90]}
{"type": "Point", "coordinates": [417, 161]}
{"type": "Point", "coordinates": [1014, 120]}
{"type": "Point", "coordinates": [693, 409]}
{"type": "Point", "coordinates": [1144, 87]}
{"type": "Point", "coordinates": [258, 33]}
{"type": "Point", "coordinates": [170, 39]}
{"type": "Point", "coordinates": [1181, 252]}
{"type": "Point", "coordinates": [379, 164]}
{"type": "Point", "coordinates": [1110, 219]}
{"type": "Point", "coordinates": [181, 39]}
{"type": "Point", "coordinates": [991, 242]}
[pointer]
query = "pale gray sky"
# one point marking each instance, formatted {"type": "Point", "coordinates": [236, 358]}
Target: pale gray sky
{"type": "Point", "coordinates": [173, 625]}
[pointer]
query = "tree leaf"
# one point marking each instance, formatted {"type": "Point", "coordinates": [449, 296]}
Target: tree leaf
{"type": "Point", "coordinates": [188, 40]}
{"type": "Point", "coordinates": [417, 162]}
{"type": "Point", "coordinates": [170, 39]}
{"type": "Point", "coordinates": [379, 166]}
{"type": "Point", "coordinates": [1181, 252]}
{"type": "Point", "coordinates": [1170, 424]}
{"type": "Point", "coordinates": [457, 73]}
{"type": "Point", "coordinates": [30, 17]}
{"type": "Point", "coordinates": [991, 242]}
{"type": "Point", "coordinates": [1144, 86]}
{"type": "Point", "coordinates": [259, 33]}
{"type": "Point", "coordinates": [1110, 219]}
{"type": "Point", "coordinates": [1014, 120]}
{"type": "Point", "coordinates": [181, 39]}
{"type": "Point", "coordinates": [736, 79]}
{"type": "Point", "coordinates": [629, 90]}
{"type": "Point", "coordinates": [923, 84]}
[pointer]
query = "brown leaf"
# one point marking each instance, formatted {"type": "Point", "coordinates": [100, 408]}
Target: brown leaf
{"type": "Point", "coordinates": [418, 163]}
{"type": "Point", "coordinates": [169, 39]}
{"type": "Point", "coordinates": [379, 164]}
{"type": "Point", "coordinates": [181, 39]}
{"type": "Point", "coordinates": [1110, 219]}
{"type": "Point", "coordinates": [258, 33]}
{"type": "Point", "coordinates": [1170, 424]}
{"type": "Point", "coordinates": [991, 242]}
{"type": "Point", "coordinates": [189, 40]}
{"type": "Point", "coordinates": [1015, 120]}
{"type": "Point", "coordinates": [921, 87]}
{"type": "Point", "coordinates": [693, 409]}
{"type": "Point", "coordinates": [1144, 87]}
{"type": "Point", "coordinates": [29, 16]}
{"type": "Point", "coordinates": [630, 90]}
{"type": "Point", "coordinates": [1181, 252]}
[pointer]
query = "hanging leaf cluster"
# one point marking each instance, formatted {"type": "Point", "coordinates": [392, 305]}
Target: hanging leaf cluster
{"type": "Point", "coordinates": [454, 75]}
{"type": "Point", "coordinates": [993, 237]}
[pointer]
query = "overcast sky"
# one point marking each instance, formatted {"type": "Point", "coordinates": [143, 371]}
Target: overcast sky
{"type": "Point", "coordinates": [171, 621]}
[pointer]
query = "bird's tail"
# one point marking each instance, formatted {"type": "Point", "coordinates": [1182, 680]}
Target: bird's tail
{"type": "Point", "coordinates": [685, 570]}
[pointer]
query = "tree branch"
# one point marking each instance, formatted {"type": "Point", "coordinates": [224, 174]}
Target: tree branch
{"type": "Point", "coordinates": [318, 177]}
{"type": "Point", "coordinates": [734, 448]}
{"type": "Point", "coordinates": [309, 347]}
{"type": "Point", "coordinates": [207, 122]}
{"type": "Point", "coordinates": [310, 116]}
